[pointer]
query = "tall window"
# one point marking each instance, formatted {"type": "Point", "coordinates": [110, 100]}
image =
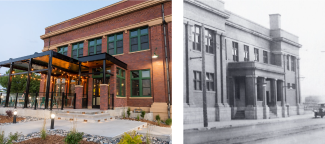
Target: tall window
{"type": "Point", "coordinates": [59, 86]}
{"type": "Point", "coordinates": [288, 62]}
{"type": "Point", "coordinates": [196, 37]}
{"type": "Point", "coordinates": [265, 57]}
{"type": "Point", "coordinates": [63, 50]}
{"type": "Point", "coordinates": [197, 80]}
{"type": "Point", "coordinates": [293, 63]}
{"type": "Point", "coordinates": [210, 81]}
{"type": "Point", "coordinates": [95, 46]}
{"type": "Point", "coordinates": [256, 55]}
{"type": "Point", "coordinates": [120, 82]}
{"type": "Point", "coordinates": [77, 50]}
{"type": "Point", "coordinates": [140, 83]}
{"type": "Point", "coordinates": [208, 38]}
{"type": "Point", "coordinates": [115, 44]}
{"type": "Point", "coordinates": [139, 39]}
{"type": "Point", "coordinates": [235, 51]}
{"type": "Point", "coordinates": [246, 53]}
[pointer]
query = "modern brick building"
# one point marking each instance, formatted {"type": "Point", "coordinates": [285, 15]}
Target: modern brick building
{"type": "Point", "coordinates": [235, 68]}
{"type": "Point", "coordinates": [131, 32]}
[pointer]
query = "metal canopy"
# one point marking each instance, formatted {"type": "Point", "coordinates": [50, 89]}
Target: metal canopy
{"type": "Point", "coordinates": [97, 60]}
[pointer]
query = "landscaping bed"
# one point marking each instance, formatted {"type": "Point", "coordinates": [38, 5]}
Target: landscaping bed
{"type": "Point", "coordinates": [51, 139]}
{"type": "Point", "coordinates": [150, 122]}
{"type": "Point", "coordinates": [6, 119]}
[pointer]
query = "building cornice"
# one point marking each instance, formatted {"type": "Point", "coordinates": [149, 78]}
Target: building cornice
{"type": "Point", "coordinates": [229, 23]}
{"type": "Point", "coordinates": [149, 23]}
{"type": "Point", "coordinates": [104, 17]}
{"type": "Point", "coordinates": [208, 8]}
{"type": "Point", "coordinates": [282, 39]}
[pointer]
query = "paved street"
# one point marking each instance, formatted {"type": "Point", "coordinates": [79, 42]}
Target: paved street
{"type": "Point", "coordinates": [301, 129]}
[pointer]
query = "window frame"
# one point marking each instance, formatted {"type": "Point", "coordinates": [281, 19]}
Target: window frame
{"type": "Point", "coordinates": [256, 54]}
{"type": "Point", "coordinates": [208, 36]}
{"type": "Point", "coordinates": [115, 41]}
{"type": "Point", "coordinates": [246, 53]}
{"type": "Point", "coordinates": [62, 47]}
{"type": "Point", "coordinates": [120, 71]}
{"type": "Point", "coordinates": [95, 45]}
{"type": "Point", "coordinates": [139, 38]}
{"type": "Point", "coordinates": [293, 64]}
{"type": "Point", "coordinates": [265, 57]}
{"type": "Point", "coordinates": [78, 48]}
{"type": "Point", "coordinates": [235, 51]}
{"type": "Point", "coordinates": [197, 80]}
{"type": "Point", "coordinates": [140, 82]}
{"type": "Point", "coordinates": [288, 63]}
{"type": "Point", "coordinates": [210, 82]}
{"type": "Point", "coordinates": [196, 45]}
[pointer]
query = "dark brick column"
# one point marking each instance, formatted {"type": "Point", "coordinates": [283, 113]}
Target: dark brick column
{"type": "Point", "coordinates": [103, 96]}
{"type": "Point", "coordinates": [112, 83]}
{"type": "Point", "coordinates": [104, 44]}
{"type": "Point", "coordinates": [69, 50]}
{"type": "Point", "coordinates": [90, 91]}
{"type": "Point", "coordinates": [85, 49]}
{"type": "Point", "coordinates": [79, 93]}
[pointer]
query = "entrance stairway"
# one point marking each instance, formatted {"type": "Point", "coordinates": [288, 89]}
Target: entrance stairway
{"type": "Point", "coordinates": [240, 114]}
{"type": "Point", "coordinates": [90, 116]}
{"type": "Point", "coordinates": [272, 115]}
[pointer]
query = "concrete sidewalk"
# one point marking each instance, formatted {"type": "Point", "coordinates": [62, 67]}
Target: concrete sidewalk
{"type": "Point", "coordinates": [238, 123]}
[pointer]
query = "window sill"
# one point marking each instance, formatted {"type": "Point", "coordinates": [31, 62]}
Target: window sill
{"type": "Point", "coordinates": [118, 54]}
{"type": "Point", "coordinates": [140, 97]}
{"type": "Point", "coordinates": [139, 51]}
{"type": "Point", "coordinates": [196, 51]}
{"type": "Point", "coordinates": [120, 96]}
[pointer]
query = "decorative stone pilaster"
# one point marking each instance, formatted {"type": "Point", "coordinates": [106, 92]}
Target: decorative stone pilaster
{"type": "Point", "coordinates": [79, 93]}
{"type": "Point", "coordinates": [104, 44]}
{"type": "Point", "coordinates": [103, 96]}
{"type": "Point", "coordinates": [223, 113]}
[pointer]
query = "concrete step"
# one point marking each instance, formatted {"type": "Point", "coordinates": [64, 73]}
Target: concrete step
{"type": "Point", "coordinates": [272, 115]}
{"type": "Point", "coordinates": [240, 115]}
{"type": "Point", "coordinates": [82, 111]}
{"type": "Point", "coordinates": [86, 117]}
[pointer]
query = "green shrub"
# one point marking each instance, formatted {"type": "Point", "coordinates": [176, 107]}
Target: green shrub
{"type": "Point", "coordinates": [128, 112]}
{"type": "Point", "coordinates": [168, 121]}
{"type": "Point", "coordinates": [73, 137]}
{"type": "Point", "coordinates": [123, 114]}
{"type": "Point", "coordinates": [158, 122]}
{"type": "Point", "coordinates": [143, 113]}
{"type": "Point", "coordinates": [131, 138]}
{"type": "Point", "coordinates": [2, 137]}
{"type": "Point", "coordinates": [138, 117]}
{"type": "Point", "coordinates": [158, 117]}
{"type": "Point", "coordinates": [43, 131]}
{"type": "Point", "coordinates": [12, 137]}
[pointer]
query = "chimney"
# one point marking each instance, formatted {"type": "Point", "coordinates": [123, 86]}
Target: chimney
{"type": "Point", "coordinates": [275, 21]}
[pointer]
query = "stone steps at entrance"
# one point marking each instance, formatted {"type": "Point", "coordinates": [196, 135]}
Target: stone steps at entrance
{"type": "Point", "coordinates": [272, 115]}
{"type": "Point", "coordinates": [91, 116]}
{"type": "Point", "coordinates": [240, 114]}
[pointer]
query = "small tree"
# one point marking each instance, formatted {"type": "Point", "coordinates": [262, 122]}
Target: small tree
{"type": "Point", "coordinates": [128, 112]}
{"type": "Point", "coordinates": [143, 113]}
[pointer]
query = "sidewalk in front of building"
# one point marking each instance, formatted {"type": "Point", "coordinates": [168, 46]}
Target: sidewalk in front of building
{"type": "Point", "coordinates": [244, 122]}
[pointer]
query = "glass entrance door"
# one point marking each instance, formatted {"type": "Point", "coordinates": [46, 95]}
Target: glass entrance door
{"type": "Point", "coordinates": [96, 91]}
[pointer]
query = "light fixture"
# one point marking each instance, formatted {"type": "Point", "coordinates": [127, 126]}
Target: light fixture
{"type": "Point", "coordinates": [15, 115]}
{"type": "Point", "coordinates": [154, 54]}
{"type": "Point", "coordinates": [52, 120]}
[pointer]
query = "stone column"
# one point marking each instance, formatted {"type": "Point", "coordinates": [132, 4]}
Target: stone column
{"type": "Point", "coordinates": [104, 44]}
{"type": "Point", "coordinates": [274, 93]}
{"type": "Point", "coordinates": [281, 93]}
{"type": "Point", "coordinates": [231, 85]}
{"type": "Point", "coordinates": [266, 109]}
{"type": "Point", "coordinates": [79, 93]}
{"type": "Point", "coordinates": [251, 97]}
{"type": "Point", "coordinates": [103, 96]}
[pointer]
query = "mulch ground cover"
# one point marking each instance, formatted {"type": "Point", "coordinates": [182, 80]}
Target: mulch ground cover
{"type": "Point", "coordinates": [6, 119]}
{"type": "Point", "coordinates": [52, 139]}
{"type": "Point", "coordinates": [150, 122]}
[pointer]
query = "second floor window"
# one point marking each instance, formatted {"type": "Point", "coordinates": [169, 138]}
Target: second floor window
{"type": "Point", "coordinates": [256, 55]}
{"type": "Point", "coordinates": [246, 53]}
{"type": "Point", "coordinates": [95, 46]}
{"type": "Point", "coordinates": [63, 50]}
{"type": "Point", "coordinates": [210, 81]}
{"type": "Point", "coordinates": [197, 80]}
{"type": "Point", "coordinates": [265, 57]}
{"type": "Point", "coordinates": [293, 63]}
{"type": "Point", "coordinates": [77, 50]}
{"type": "Point", "coordinates": [139, 39]}
{"type": "Point", "coordinates": [288, 62]}
{"type": "Point", "coordinates": [208, 38]}
{"type": "Point", "coordinates": [196, 38]}
{"type": "Point", "coordinates": [235, 51]}
{"type": "Point", "coordinates": [115, 44]}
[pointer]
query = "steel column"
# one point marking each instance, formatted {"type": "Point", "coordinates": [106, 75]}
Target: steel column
{"type": "Point", "coordinates": [9, 84]}
{"type": "Point", "coordinates": [35, 101]}
{"type": "Point", "coordinates": [79, 73]}
{"type": "Point", "coordinates": [74, 100]}
{"type": "Point", "coordinates": [48, 80]}
{"type": "Point", "coordinates": [28, 83]}
{"type": "Point", "coordinates": [104, 71]}
{"type": "Point", "coordinates": [16, 101]}
{"type": "Point", "coordinates": [62, 101]}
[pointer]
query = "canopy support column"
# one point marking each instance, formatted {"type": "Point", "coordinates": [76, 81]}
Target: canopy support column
{"type": "Point", "coordinates": [9, 84]}
{"type": "Point", "coordinates": [28, 82]}
{"type": "Point", "coordinates": [48, 81]}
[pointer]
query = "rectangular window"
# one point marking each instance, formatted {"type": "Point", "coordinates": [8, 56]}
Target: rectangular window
{"type": "Point", "coordinates": [77, 50]}
{"type": "Point", "coordinates": [197, 80]}
{"type": "Point", "coordinates": [120, 82]}
{"type": "Point", "coordinates": [293, 64]}
{"type": "Point", "coordinates": [196, 38]}
{"type": "Point", "coordinates": [210, 81]}
{"type": "Point", "coordinates": [235, 51]}
{"type": "Point", "coordinates": [288, 62]}
{"type": "Point", "coordinates": [115, 44]}
{"type": "Point", "coordinates": [265, 57]}
{"type": "Point", "coordinates": [140, 83]}
{"type": "Point", "coordinates": [256, 55]}
{"type": "Point", "coordinates": [139, 39]}
{"type": "Point", "coordinates": [246, 53]}
{"type": "Point", "coordinates": [288, 85]}
{"type": "Point", "coordinates": [63, 50]}
{"type": "Point", "coordinates": [95, 46]}
{"type": "Point", "coordinates": [208, 38]}
{"type": "Point", "coordinates": [293, 86]}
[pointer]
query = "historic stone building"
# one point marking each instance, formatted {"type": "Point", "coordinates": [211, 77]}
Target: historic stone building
{"type": "Point", "coordinates": [235, 68]}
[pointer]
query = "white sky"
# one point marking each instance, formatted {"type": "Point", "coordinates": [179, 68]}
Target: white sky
{"type": "Point", "coordinates": [303, 18]}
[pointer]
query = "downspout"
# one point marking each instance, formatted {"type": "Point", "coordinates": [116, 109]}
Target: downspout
{"type": "Point", "coordinates": [166, 58]}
